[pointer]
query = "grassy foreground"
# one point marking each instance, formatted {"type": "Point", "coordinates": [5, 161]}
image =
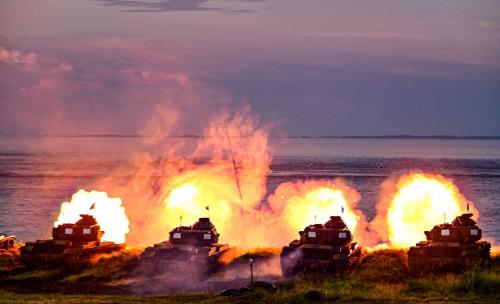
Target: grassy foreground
{"type": "Point", "coordinates": [380, 278]}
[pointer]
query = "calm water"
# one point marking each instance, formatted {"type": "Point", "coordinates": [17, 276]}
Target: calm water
{"type": "Point", "coordinates": [37, 174]}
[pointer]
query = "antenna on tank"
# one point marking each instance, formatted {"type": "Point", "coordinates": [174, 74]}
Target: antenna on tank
{"type": "Point", "coordinates": [315, 219]}
{"type": "Point", "coordinates": [467, 207]}
{"type": "Point", "coordinates": [208, 211]}
{"type": "Point", "coordinates": [180, 221]}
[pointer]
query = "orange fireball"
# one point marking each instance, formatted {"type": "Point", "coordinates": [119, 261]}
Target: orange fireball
{"type": "Point", "coordinates": [190, 201]}
{"type": "Point", "coordinates": [417, 202]}
{"type": "Point", "coordinates": [314, 201]}
{"type": "Point", "coordinates": [316, 206]}
{"type": "Point", "coordinates": [108, 212]}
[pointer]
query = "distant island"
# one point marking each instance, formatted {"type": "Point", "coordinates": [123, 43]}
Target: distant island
{"type": "Point", "coordinates": [419, 137]}
{"type": "Point", "coordinates": [396, 137]}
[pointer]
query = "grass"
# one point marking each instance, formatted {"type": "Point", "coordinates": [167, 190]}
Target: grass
{"type": "Point", "coordinates": [114, 266]}
{"type": "Point", "coordinates": [10, 297]}
{"type": "Point", "coordinates": [383, 266]}
{"type": "Point", "coordinates": [380, 278]}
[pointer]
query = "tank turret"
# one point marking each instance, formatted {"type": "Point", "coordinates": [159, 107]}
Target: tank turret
{"type": "Point", "coordinates": [189, 250]}
{"type": "Point", "coordinates": [463, 229]}
{"type": "Point", "coordinates": [83, 231]}
{"type": "Point", "coordinates": [9, 252]}
{"type": "Point", "coordinates": [72, 244]}
{"type": "Point", "coordinates": [454, 246]}
{"type": "Point", "coordinates": [202, 233]}
{"type": "Point", "coordinates": [7, 242]}
{"type": "Point", "coordinates": [327, 247]}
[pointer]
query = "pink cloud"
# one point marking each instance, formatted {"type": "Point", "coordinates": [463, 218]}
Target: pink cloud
{"type": "Point", "coordinates": [17, 57]}
{"type": "Point", "coordinates": [103, 94]}
{"type": "Point", "coordinates": [65, 67]}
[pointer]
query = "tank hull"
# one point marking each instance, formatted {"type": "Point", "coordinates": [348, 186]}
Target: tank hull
{"type": "Point", "coordinates": [193, 261]}
{"type": "Point", "coordinates": [9, 259]}
{"type": "Point", "coordinates": [65, 253]}
{"type": "Point", "coordinates": [435, 257]}
{"type": "Point", "coordinates": [313, 258]}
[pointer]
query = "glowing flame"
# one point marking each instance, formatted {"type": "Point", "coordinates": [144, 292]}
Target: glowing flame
{"type": "Point", "coordinates": [318, 205]}
{"type": "Point", "coordinates": [419, 202]}
{"type": "Point", "coordinates": [108, 212]}
{"type": "Point", "coordinates": [314, 201]}
{"type": "Point", "coordinates": [231, 181]}
{"type": "Point", "coordinates": [183, 197]}
{"type": "Point", "coordinates": [190, 202]}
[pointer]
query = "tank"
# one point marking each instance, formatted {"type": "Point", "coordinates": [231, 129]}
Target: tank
{"type": "Point", "coordinates": [190, 250]}
{"type": "Point", "coordinates": [450, 248]}
{"type": "Point", "coordinates": [9, 251]}
{"type": "Point", "coordinates": [322, 248]}
{"type": "Point", "coordinates": [7, 243]}
{"type": "Point", "coordinates": [71, 245]}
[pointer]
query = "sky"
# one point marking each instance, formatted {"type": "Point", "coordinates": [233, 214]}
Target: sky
{"type": "Point", "coordinates": [306, 68]}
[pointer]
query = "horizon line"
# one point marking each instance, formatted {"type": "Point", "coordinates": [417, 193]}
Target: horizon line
{"type": "Point", "coordinates": [388, 136]}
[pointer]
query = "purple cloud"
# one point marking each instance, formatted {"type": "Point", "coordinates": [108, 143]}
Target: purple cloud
{"type": "Point", "coordinates": [88, 96]}
{"type": "Point", "coordinates": [138, 6]}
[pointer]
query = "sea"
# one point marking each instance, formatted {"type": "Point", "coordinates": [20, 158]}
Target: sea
{"type": "Point", "coordinates": [38, 173]}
